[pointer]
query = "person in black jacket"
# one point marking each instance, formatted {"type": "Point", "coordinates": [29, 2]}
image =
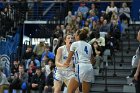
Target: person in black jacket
{"type": "Point", "coordinates": [38, 80]}
{"type": "Point", "coordinates": [28, 53]}
{"type": "Point", "coordinates": [20, 80]}
{"type": "Point", "coordinates": [14, 67]}
{"type": "Point", "coordinates": [137, 73]}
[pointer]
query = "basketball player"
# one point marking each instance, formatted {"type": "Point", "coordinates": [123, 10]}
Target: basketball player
{"type": "Point", "coordinates": [83, 67]}
{"type": "Point", "coordinates": [63, 74]}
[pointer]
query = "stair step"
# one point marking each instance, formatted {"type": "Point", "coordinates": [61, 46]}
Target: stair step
{"type": "Point", "coordinates": [127, 88]}
{"type": "Point", "coordinates": [121, 67]}
{"type": "Point", "coordinates": [111, 80]}
{"type": "Point", "coordinates": [131, 42]}
{"type": "Point", "coordinates": [119, 72]}
{"type": "Point", "coordinates": [132, 53]}
{"type": "Point", "coordinates": [111, 88]}
{"type": "Point", "coordinates": [118, 59]}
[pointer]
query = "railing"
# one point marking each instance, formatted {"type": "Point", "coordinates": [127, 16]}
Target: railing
{"type": "Point", "coordinates": [22, 11]}
{"type": "Point", "coordinates": [43, 1]}
{"type": "Point", "coordinates": [128, 38]}
{"type": "Point", "coordinates": [107, 53]}
{"type": "Point", "coordinates": [74, 1]}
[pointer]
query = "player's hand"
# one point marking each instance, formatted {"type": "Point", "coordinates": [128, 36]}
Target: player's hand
{"type": "Point", "coordinates": [66, 64]}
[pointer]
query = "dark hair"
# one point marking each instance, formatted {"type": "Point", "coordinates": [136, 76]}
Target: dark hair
{"type": "Point", "coordinates": [38, 68]}
{"type": "Point", "coordinates": [82, 33]}
{"type": "Point", "coordinates": [95, 42]}
{"type": "Point", "coordinates": [33, 63]}
{"type": "Point", "coordinates": [16, 59]}
{"type": "Point", "coordinates": [99, 48]}
{"type": "Point", "coordinates": [66, 37]}
{"type": "Point", "coordinates": [97, 35]}
{"type": "Point", "coordinates": [29, 46]}
{"type": "Point", "coordinates": [21, 65]}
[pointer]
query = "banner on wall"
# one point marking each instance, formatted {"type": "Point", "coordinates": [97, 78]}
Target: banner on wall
{"type": "Point", "coordinates": [5, 63]}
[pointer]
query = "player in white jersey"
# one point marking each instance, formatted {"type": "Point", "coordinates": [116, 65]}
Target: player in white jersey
{"type": "Point", "coordinates": [83, 67]}
{"type": "Point", "coordinates": [63, 74]}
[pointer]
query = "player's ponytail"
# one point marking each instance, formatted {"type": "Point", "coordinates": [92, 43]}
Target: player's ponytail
{"type": "Point", "coordinates": [82, 33]}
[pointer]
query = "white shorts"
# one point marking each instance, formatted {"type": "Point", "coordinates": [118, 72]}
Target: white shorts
{"type": "Point", "coordinates": [84, 72]}
{"type": "Point", "coordinates": [63, 75]}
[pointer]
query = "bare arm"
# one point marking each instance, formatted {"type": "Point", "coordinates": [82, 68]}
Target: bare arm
{"type": "Point", "coordinates": [58, 58]}
{"type": "Point", "coordinates": [92, 59]}
{"type": "Point", "coordinates": [137, 71]}
{"type": "Point", "coordinates": [69, 57]}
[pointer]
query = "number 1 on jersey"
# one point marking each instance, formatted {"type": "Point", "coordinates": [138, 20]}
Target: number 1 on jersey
{"type": "Point", "coordinates": [86, 50]}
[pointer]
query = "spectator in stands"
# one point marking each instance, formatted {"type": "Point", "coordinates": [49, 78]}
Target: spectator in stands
{"type": "Point", "coordinates": [94, 26]}
{"type": "Point", "coordinates": [114, 17]}
{"type": "Point", "coordinates": [111, 9]}
{"type": "Point", "coordinates": [68, 18]}
{"type": "Point", "coordinates": [115, 33]}
{"type": "Point", "coordinates": [63, 30]}
{"type": "Point", "coordinates": [47, 52]}
{"type": "Point", "coordinates": [58, 33]}
{"type": "Point", "coordinates": [20, 80]}
{"type": "Point", "coordinates": [105, 27]}
{"type": "Point", "coordinates": [39, 49]}
{"type": "Point", "coordinates": [92, 16]}
{"type": "Point", "coordinates": [86, 24]}
{"type": "Point", "coordinates": [31, 70]}
{"type": "Point", "coordinates": [79, 14]}
{"type": "Point", "coordinates": [14, 68]}
{"type": "Point", "coordinates": [4, 84]}
{"type": "Point", "coordinates": [48, 67]}
{"type": "Point", "coordinates": [73, 24]}
{"type": "Point", "coordinates": [97, 52]}
{"type": "Point", "coordinates": [38, 80]}
{"type": "Point", "coordinates": [101, 21]}
{"type": "Point", "coordinates": [55, 45]}
{"type": "Point", "coordinates": [6, 21]}
{"type": "Point", "coordinates": [78, 22]}
{"type": "Point", "coordinates": [34, 59]}
{"type": "Point", "coordinates": [83, 9]}
{"type": "Point", "coordinates": [44, 61]}
{"type": "Point", "coordinates": [69, 29]}
{"type": "Point", "coordinates": [28, 53]}
{"type": "Point", "coordinates": [100, 40]}
{"type": "Point", "coordinates": [49, 71]}
{"type": "Point", "coordinates": [94, 9]}
{"type": "Point", "coordinates": [124, 12]}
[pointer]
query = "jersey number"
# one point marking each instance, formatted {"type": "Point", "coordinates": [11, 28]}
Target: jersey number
{"type": "Point", "coordinates": [86, 50]}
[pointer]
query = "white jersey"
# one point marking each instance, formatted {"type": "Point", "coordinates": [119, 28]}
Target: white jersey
{"type": "Point", "coordinates": [83, 67]}
{"type": "Point", "coordinates": [82, 51]}
{"type": "Point", "coordinates": [62, 73]}
{"type": "Point", "coordinates": [65, 54]}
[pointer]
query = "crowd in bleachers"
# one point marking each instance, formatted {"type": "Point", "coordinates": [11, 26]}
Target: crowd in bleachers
{"type": "Point", "coordinates": [35, 70]}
